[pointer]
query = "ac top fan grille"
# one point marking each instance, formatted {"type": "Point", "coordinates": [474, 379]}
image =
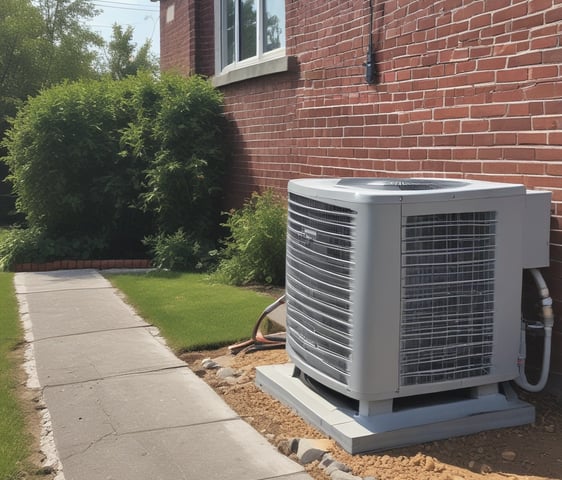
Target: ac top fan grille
{"type": "Point", "coordinates": [448, 275]}
{"type": "Point", "coordinates": [319, 271]}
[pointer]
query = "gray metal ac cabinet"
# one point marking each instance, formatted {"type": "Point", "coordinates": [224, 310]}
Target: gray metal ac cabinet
{"type": "Point", "coordinates": [401, 287]}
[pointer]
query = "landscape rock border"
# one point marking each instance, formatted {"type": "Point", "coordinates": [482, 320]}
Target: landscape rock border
{"type": "Point", "coordinates": [306, 450]}
{"type": "Point", "coordinates": [135, 263]}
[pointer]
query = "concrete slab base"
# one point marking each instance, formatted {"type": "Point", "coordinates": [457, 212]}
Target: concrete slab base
{"type": "Point", "coordinates": [445, 416]}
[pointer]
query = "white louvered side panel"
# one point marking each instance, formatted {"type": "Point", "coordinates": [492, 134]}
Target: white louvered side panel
{"type": "Point", "coordinates": [320, 264]}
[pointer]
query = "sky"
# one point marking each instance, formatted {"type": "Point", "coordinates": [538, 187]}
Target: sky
{"type": "Point", "coordinates": [142, 15]}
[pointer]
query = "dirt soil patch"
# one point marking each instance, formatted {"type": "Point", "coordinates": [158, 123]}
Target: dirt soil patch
{"type": "Point", "coordinates": [529, 452]}
{"type": "Point", "coordinates": [34, 468]}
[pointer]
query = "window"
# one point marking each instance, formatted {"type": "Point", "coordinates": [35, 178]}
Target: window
{"type": "Point", "coordinates": [249, 32]}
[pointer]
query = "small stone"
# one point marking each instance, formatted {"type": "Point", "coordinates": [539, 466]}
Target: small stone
{"type": "Point", "coordinates": [230, 380]}
{"type": "Point", "coordinates": [339, 475]}
{"type": "Point", "coordinates": [310, 450]}
{"type": "Point", "coordinates": [209, 364]}
{"type": "Point", "coordinates": [508, 455]}
{"type": "Point", "coordinates": [294, 443]}
{"type": "Point", "coordinates": [243, 379]}
{"type": "Point", "coordinates": [288, 446]}
{"type": "Point", "coordinates": [429, 464]}
{"type": "Point", "coordinates": [284, 447]}
{"type": "Point", "coordinates": [485, 468]}
{"type": "Point", "coordinates": [47, 470]}
{"type": "Point", "coordinates": [226, 372]}
{"type": "Point", "coordinates": [330, 464]}
{"type": "Point", "coordinates": [326, 461]}
{"type": "Point", "coordinates": [479, 467]}
{"type": "Point", "coordinates": [549, 428]}
{"type": "Point", "coordinates": [337, 466]}
{"type": "Point", "coordinates": [309, 455]}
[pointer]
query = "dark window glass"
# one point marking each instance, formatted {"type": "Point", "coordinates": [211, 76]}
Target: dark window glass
{"type": "Point", "coordinates": [273, 24]}
{"type": "Point", "coordinates": [248, 29]}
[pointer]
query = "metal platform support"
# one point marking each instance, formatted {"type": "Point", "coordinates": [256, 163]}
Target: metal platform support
{"type": "Point", "coordinates": [376, 426]}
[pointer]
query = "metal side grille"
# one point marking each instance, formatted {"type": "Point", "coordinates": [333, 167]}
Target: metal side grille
{"type": "Point", "coordinates": [319, 269]}
{"type": "Point", "coordinates": [448, 274]}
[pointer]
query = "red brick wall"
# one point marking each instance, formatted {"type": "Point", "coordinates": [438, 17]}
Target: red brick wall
{"type": "Point", "coordinates": [178, 36]}
{"type": "Point", "coordinates": [205, 54]}
{"type": "Point", "coordinates": [467, 88]}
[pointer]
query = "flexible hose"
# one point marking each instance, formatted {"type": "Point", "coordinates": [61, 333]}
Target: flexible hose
{"type": "Point", "coordinates": [548, 320]}
{"type": "Point", "coordinates": [259, 341]}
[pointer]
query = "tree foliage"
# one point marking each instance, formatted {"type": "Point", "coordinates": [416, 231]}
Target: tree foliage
{"type": "Point", "coordinates": [41, 44]}
{"type": "Point", "coordinates": [123, 60]}
{"type": "Point", "coordinates": [115, 161]}
{"type": "Point", "coordinates": [69, 44]}
{"type": "Point", "coordinates": [21, 30]}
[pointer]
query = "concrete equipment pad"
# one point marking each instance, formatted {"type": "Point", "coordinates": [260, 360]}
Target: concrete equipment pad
{"type": "Point", "coordinates": [357, 433]}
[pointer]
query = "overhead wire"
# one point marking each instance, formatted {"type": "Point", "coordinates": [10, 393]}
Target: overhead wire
{"type": "Point", "coordinates": [127, 6]}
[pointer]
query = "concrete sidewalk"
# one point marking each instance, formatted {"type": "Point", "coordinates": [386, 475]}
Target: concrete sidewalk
{"type": "Point", "coordinates": [122, 406]}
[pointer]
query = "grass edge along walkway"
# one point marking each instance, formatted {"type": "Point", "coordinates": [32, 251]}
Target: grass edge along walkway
{"type": "Point", "coordinates": [191, 312]}
{"type": "Point", "coordinates": [15, 440]}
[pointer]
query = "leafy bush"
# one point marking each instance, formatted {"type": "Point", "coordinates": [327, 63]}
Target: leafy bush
{"type": "Point", "coordinates": [19, 245]}
{"type": "Point", "coordinates": [115, 162]}
{"type": "Point", "coordinates": [65, 163]}
{"type": "Point", "coordinates": [255, 249]}
{"type": "Point", "coordinates": [176, 251]}
{"type": "Point", "coordinates": [185, 177]}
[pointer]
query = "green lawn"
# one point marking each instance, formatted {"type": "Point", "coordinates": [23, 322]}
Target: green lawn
{"type": "Point", "coordinates": [191, 312]}
{"type": "Point", "coordinates": [14, 442]}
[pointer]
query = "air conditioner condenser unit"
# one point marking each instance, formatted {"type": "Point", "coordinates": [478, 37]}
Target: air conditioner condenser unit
{"type": "Point", "coordinates": [403, 306]}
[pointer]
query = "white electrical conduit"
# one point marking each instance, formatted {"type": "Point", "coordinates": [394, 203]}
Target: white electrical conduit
{"type": "Point", "coordinates": [548, 322]}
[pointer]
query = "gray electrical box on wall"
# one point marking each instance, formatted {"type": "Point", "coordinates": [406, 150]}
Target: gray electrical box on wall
{"type": "Point", "coordinates": [536, 229]}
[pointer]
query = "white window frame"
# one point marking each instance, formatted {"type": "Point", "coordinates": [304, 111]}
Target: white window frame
{"type": "Point", "coordinates": [263, 63]}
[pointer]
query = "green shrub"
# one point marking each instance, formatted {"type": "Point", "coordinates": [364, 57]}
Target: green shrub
{"type": "Point", "coordinates": [66, 163]}
{"type": "Point", "coordinates": [23, 245]}
{"type": "Point", "coordinates": [177, 251]}
{"type": "Point", "coordinates": [185, 177]}
{"type": "Point", "coordinates": [61, 143]}
{"type": "Point", "coordinates": [255, 249]}
{"type": "Point", "coordinates": [117, 161]}
{"type": "Point", "coordinates": [16, 245]}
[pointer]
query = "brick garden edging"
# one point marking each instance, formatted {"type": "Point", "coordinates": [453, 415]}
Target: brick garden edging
{"type": "Point", "coordinates": [79, 264]}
